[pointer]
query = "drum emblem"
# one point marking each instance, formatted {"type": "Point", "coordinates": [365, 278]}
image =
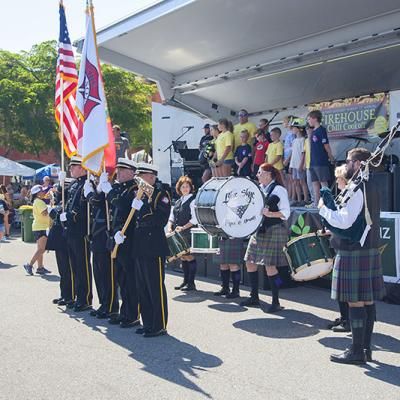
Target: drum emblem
{"type": "Point", "coordinates": [238, 202]}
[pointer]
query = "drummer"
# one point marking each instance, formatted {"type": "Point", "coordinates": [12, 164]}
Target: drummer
{"type": "Point", "coordinates": [181, 219]}
{"type": "Point", "coordinates": [266, 246]}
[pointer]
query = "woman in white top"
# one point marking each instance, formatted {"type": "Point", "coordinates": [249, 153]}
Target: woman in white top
{"type": "Point", "coordinates": [266, 246]}
{"type": "Point", "coordinates": [181, 219]}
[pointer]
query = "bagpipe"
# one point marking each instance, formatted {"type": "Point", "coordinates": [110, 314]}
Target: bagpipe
{"type": "Point", "coordinates": [359, 230]}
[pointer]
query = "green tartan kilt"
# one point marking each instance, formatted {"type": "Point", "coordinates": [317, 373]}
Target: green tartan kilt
{"type": "Point", "coordinates": [357, 276]}
{"type": "Point", "coordinates": [230, 251]}
{"type": "Point", "coordinates": [267, 248]}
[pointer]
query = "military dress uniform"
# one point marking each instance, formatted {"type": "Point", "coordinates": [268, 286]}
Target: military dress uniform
{"type": "Point", "coordinates": [150, 249]}
{"type": "Point", "coordinates": [77, 241]}
{"type": "Point", "coordinates": [103, 270]}
{"type": "Point", "coordinates": [120, 198]}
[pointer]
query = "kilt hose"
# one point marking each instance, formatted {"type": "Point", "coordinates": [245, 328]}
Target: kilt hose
{"type": "Point", "coordinates": [266, 248]}
{"type": "Point", "coordinates": [230, 251]}
{"type": "Point", "coordinates": [357, 276]}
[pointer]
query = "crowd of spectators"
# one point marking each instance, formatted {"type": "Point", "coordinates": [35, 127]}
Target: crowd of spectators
{"type": "Point", "coordinates": [301, 153]}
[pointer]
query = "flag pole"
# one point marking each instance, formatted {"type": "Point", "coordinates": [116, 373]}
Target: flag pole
{"type": "Point", "coordinates": [61, 134]}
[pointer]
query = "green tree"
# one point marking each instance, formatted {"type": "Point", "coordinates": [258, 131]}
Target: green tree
{"type": "Point", "coordinates": [27, 85]}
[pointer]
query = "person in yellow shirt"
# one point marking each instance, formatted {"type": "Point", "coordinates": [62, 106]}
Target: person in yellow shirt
{"type": "Point", "coordinates": [242, 125]}
{"type": "Point", "coordinates": [306, 163]}
{"type": "Point", "coordinates": [40, 225]}
{"type": "Point", "coordinates": [223, 149]}
{"type": "Point", "coordinates": [275, 150]}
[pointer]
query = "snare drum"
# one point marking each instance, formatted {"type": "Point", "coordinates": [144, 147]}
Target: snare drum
{"type": "Point", "coordinates": [309, 256]}
{"type": "Point", "coordinates": [203, 242]}
{"type": "Point", "coordinates": [177, 246]}
{"type": "Point", "coordinates": [229, 207]}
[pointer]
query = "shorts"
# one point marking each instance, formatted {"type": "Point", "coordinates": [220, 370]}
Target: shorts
{"type": "Point", "coordinates": [38, 234]}
{"type": "Point", "coordinates": [298, 174]}
{"type": "Point", "coordinates": [2, 230]}
{"type": "Point", "coordinates": [229, 162]}
{"type": "Point", "coordinates": [320, 174]}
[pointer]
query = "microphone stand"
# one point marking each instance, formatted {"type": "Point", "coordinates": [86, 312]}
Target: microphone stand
{"type": "Point", "coordinates": [171, 145]}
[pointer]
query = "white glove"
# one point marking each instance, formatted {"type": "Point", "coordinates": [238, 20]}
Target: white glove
{"type": "Point", "coordinates": [105, 187]}
{"type": "Point", "coordinates": [103, 177]}
{"type": "Point", "coordinates": [87, 188]}
{"type": "Point", "coordinates": [63, 217]}
{"type": "Point", "coordinates": [137, 204]}
{"type": "Point", "coordinates": [119, 237]}
{"type": "Point", "coordinates": [61, 176]}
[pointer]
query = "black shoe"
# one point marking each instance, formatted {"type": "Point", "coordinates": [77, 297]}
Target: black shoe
{"type": "Point", "coordinates": [250, 302]}
{"type": "Point", "coordinates": [233, 295]}
{"type": "Point", "coordinates": [273, 308]}
{"type": "Point", "coordinates": [349, 357]}
{"type": "Point", "coordinates": [63, 302]}
{"type": "Point", "coordinates": [222, 292]}
{"type": "Point", "coordinates": [55, 301]}
{"type": "Point", "coordinates": [368, 355]}
{"type": "Point", "coordinates": [336, 322]}
{"type": "Point", "coordinates": [344, 326]}
{"type": "Point", "coordinates": [82, 307]}
{"type": "Point", "coordinates": [115, 319]}
{"type": "Point", "coordinates": [129, 324]}
{"type": "Point", "coordinates": [189, 288]}
{"type": "Point", "coordinates": [102, 314]}
{"type": "Point", "coordinates": [71, 304]}
{"type": "Point", "coordinates": [141, 331]}
{"type": "Point", "coordinates": [181, 286]}
{"type": "Point", "coordinates": [161, 332]}
{"type": "Point", "coordinates": [93, 313]}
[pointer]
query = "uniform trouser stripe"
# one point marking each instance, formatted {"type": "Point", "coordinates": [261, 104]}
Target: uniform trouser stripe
{"type": "Point", "coordinates": [112, 284]}
{"type": "Point", "coordinates": [161, 293]}
{"type": "Point", "coordinates": [72, 279]}
{"type": "Point", "coordinates": [87, 272]}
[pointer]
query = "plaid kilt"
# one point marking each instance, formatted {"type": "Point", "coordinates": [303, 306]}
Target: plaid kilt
{"type": "Point", "coordinates": [267, 248]}
{"type": "Point", "coordinates": [357, 276]}
{"type": "Point", "coordinates": [230, 251]}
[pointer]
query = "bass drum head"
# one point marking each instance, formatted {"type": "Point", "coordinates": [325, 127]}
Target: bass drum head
{"type": "Point", "coordinates": [238, 207]}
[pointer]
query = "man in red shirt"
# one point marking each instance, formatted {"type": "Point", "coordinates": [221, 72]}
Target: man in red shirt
{"type": "Point", "coordinates": [260, 148]}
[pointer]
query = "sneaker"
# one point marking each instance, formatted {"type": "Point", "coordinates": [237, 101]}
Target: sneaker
{"type": "Point", "coordinates": [42, 271]}
{"type": "Point", "coordinates": [28, 268]}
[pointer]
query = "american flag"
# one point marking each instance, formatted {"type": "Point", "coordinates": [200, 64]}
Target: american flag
{"type": "Point", "coordinates": [66, 85]}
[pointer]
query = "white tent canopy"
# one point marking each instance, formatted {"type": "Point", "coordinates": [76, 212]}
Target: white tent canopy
{"type": "Point", "coordinates": [12, 168]}
{"type": "Point", "coordinates": [215, 57]}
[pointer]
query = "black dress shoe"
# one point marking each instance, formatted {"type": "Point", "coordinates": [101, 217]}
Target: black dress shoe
{"type": "Point", "coordinates": [93, 313]}
{"type": "Point", "coordinates": [336, 322]}
{"type": "Point", "coordinates": [82, 307]}
{"type": "Point", "coordinates": [140, 331]}
{"type": "Point", "coordinates": [55, 301]}
{"type": "Point", "coordinates": [181, 286]}
{"type": "Point", "coordinates": [250, 302]}
{"type": "Point", "coordinates": [368, 355]}
{"type": "Point", "coordinates": [222, 292]}
{"type": "Point", "coordinates": [71, 304]}
{"type": "Point", "coordinates": [129, 324]}
{"type": "Point", "coordinates": [233, 295]}
{"type": "Point", "coordinates": [273, 308]}
{"type": "Point", "coordinates": [102, 314]}
{"type": "Point", "coordinates": [189, 288]}
{"type": "Point", "coordinates": [349, 357]}
{"type": "Point", "coordinates": [149, 334]}
{"type": "Point", "coordinates": [344, 326]}
{"type": "Point", "coordinates": [63, 302]}
{"type": "Point", "coordinates": [115, 320]}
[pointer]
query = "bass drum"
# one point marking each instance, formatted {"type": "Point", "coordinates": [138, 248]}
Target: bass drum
{"type": "Point", "coordinates": [229, 207]}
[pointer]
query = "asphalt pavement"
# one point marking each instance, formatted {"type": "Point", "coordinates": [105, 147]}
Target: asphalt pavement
{"type": "Point", "coordinates": [215, 349]}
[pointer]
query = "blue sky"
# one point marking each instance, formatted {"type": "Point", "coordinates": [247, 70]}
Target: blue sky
{"type": "Point", "coordinates": [24, 23]}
